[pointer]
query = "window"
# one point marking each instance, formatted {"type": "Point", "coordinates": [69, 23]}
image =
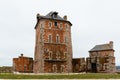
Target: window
{"type": "Point", "coordinates": [50, 25]}
{"type": "Point", "coordinates": [60, 25]}
{"type": "Point", "coordinates": [50, 38]}
{"type": "Point", "coordinates": [67, 28]}
{"type": "Point", "coordinates": [54, 15]}
{"type": "Point", "coordinates": [50, 54]}
{"type": "Point", "coordinates": [30, 66]}
{"type": "Point", "coordinates": [65, 39]}
{"type": "Point", "coordinates": [62, 68]}
{"type": "Point", "coordinates": [57, 38]}
{"type": "Point", "coordinates": [55, 24]}
{"type": "Point", "coordinates": [25, 67]}
{"type": "Point", "coordinates": [46, 50]}
{"type": "Point", "coordinates": [54, 67]}
{"type": "Point", "coordinates": [58, 55]}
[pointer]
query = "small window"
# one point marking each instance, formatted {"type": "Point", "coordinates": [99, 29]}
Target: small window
{"type": "Point", "coordinates": [67, 28]}
{"type": "Point", "coordinates": [60, 25]}
{"type": "Point", "coordinates": [50, 54]}
{"type": "Point", "coordinates": [65, 39]}
{"type": "Point", "coordinates": [54, 67]}
{"type": "Point", "coordinates": [50, 38]}
{"type": "Point", "coordinates": [55, 23]}
{"type": "Point", "coordinates": [25, 66]}
{"type": "Point", "coordinates": [62, 68]}
{"type": "Point", "coordinates": [50, 25]}
{"type": "Point", "coordinates": [57, 39]}
{"type": "Point", "coordinates": [54, 15]}
{"type": "Point", "coordinates": [58, 55]}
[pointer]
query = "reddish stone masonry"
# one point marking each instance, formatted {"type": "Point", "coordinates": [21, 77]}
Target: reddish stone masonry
{"type": "Point", "coordinates": [23, 64]}
{"type": "Point", "coordinates": [53, 50]}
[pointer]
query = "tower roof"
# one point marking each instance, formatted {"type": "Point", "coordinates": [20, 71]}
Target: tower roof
{"type": "Point", "coordinates": [53, 15]}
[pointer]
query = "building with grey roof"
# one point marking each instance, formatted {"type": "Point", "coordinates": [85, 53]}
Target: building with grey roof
{"type": "Point", "coordinates": [101, 58]}
{"type": "Point", "coordinates": [103, 47]}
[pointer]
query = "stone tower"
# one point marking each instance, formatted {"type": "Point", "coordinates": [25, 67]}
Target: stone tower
{"type": "Point", "coordinates": [53, 47]}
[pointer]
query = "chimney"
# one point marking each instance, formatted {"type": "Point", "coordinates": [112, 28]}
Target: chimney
{"type": "Point", "coordinates": [65, 17]}
{"type": "Point", "coordinates": [37, 16]}
{"type": "Point", "coordinates": [21, 55]}
{"type": "Point", "coordinates": [111, 44]}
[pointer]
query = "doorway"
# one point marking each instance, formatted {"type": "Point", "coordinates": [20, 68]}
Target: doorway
{"type": "Point", "coordinates": [94, 67]}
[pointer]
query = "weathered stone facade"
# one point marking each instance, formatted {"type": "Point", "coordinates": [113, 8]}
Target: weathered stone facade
{"type": "Point", "coordinates": [23, 64]}
{"type": "Point", "coordinates": [53, 47]}
{"type": "Point", "coordinates": [101, 59]}
{"type": "Point", "coordinates": [53, 51]}
{"type": "Point", "coordinates": [6, 69]}
{"type": "Point", "coordinates": [79, 65]}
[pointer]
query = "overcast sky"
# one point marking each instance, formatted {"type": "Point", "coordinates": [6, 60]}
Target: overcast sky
{"type": "Point", "coordinates": [94, 22]}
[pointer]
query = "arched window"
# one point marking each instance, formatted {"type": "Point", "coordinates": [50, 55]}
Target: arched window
{"type": "Point", "coordinates": [58, 55]}
{"type": "Point", "coordinates": [50, 25]}
{"type": "Point", "coordinates": [49, 38]}
{"type": "Point", "coordinates": [66, 39]}
{"type": "Point", "coordinates": [54, 67]}
{"type": "Point", "coordinates": [50, 54]}
{"type": "Point", "coordinates": [67, 27]}
{"type": "Point", "coordinates": [55, 24]}
{"type": "Point", "coordinates": [62, 68]}
{"type": "Point", "coordinates": [60, 25]}
{"type": "Point", "coordinates": [57, 38]}
{"type": "Point", "coordinates": [25, 67]}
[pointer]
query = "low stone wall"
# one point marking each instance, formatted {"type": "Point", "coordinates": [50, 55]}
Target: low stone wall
{"type": "Point", "coordinates": [6, 69]}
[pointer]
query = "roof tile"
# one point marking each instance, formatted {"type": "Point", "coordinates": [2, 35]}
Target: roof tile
{"type": "Point", "coordinates": [102, 47]}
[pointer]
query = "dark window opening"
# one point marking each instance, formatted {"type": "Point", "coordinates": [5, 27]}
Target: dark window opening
{"type": "Point", "coordinates": [61, 26]}
{"type": "Point", "coordinates": [55, 23]}
{"type": "Point", "coordinates": [57, 39]}
{"type": "Point", "coordinates": [54, 15]}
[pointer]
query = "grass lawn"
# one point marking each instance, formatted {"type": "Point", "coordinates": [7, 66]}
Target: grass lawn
{"type": "Point", "coordinates": [72, 76]}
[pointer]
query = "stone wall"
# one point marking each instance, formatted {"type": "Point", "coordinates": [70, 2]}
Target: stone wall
{"type": "Point", "coordinates": [79, 65]}
{"type": "Point", "coordinates": [6, 69]}
{"type": "Point", "coordinates": [23, 64]}
{"type": "Point", "coordinates": [100, 63]}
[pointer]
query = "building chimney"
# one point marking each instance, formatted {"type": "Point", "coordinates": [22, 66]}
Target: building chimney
{"type": "Point", "coordinates": [21, 55]}
{"type": "Point", "coordinates": [65, 17]}
{"type": "Point", "coordinates": [111, 44]}
{"type": "Point", "coordinates": [37, 16]}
